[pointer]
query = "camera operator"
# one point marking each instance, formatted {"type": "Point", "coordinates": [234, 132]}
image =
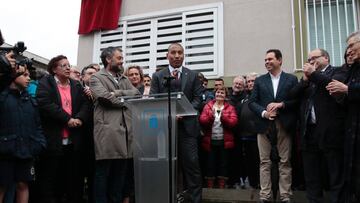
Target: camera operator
{"type": "Point", "coordinates": [7, 65]}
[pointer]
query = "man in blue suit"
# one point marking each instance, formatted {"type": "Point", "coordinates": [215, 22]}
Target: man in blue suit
{"type": "Point", "coordinates": [269, 102]}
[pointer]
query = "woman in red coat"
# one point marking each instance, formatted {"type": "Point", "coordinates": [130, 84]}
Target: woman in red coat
{"type": "Point", "coordinates": [217, 119]}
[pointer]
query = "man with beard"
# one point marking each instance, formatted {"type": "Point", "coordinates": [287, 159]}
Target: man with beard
{"type": "Point", "coordinates": [350, 93]}
{"type": "Point", "coordinates": [112, 127]}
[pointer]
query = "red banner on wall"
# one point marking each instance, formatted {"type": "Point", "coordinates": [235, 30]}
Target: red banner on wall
{"type": "Point", "coordinates": [99, 15]}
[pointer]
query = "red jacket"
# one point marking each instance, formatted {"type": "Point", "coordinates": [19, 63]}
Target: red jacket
{"type": "Point", "coordinates": [228, 120]}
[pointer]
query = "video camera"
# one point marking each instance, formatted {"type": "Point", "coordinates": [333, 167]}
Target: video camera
{"type": "Point", "coordinates": [18, 49]}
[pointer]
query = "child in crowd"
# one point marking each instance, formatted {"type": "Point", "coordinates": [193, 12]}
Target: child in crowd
{"type": "Point", "coordinates": [21, 136]}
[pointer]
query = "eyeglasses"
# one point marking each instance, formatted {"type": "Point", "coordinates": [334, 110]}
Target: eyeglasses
{"type": "Point", "coordinates": [65, 65]}
{"type": "Point", "coordinates": [313, 58]}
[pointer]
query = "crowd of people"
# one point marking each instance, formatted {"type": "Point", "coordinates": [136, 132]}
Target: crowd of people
{"type": "Point", "coordinates": [65, 136]}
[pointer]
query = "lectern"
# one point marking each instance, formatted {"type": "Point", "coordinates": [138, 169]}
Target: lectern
{"type": "Point", "coordinates": [154, 171]}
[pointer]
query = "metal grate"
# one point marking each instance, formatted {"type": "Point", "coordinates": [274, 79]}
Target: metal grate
{"type": "Point", "coordinates": [328, 23]}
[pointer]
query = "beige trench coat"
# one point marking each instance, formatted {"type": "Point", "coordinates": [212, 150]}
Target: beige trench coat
{"type": "Point", "coordinates": [112, 136]}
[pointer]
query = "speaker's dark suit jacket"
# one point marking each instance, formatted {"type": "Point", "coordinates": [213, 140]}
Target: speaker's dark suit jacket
{"type": "Point", "coordinates": [263, 94]}
{"type": "Point", "coordinates": [190, 85]}
{"type": "Point", "coordinates": [188, 130]}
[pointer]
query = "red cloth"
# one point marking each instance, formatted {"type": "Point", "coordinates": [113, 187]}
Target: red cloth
{"type": "Point", "coordinates": [99, 15]}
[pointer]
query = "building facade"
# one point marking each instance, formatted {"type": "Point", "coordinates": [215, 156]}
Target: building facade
{"type": "Point", "coordinates": [225, 38]}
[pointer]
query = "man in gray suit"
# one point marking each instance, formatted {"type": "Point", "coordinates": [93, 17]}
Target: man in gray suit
{"type": "Point", "coordinates": [185, 81]}
{"type": "Point", "coordinates": [270, 103]}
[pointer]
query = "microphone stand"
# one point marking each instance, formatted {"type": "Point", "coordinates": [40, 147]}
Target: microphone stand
{"type": "Point", "coordinates": [167, 83]}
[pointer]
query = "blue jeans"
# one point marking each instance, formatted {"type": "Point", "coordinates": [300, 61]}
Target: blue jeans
{"type": "Point", "coordinates": [109, 181]}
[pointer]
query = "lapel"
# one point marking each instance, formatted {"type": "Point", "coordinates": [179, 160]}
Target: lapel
{"type": "Point", "coordinates": [73, 92]}
{"type": "Point", "coordinates": [53, 83]}
{"type": "Point", "coordinates": [328, 70]}
{"type": "Point", "coordinates": [184, 78]}
{"type": "Point", "coordinates": [110, 78]}
{"type": "Point", "coordinates": [269, 85]}
{"type": "Point", "coordinates": [281, 85]}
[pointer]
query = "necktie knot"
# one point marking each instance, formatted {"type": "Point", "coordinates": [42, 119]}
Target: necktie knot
{"type": "Point", "coordinates": [175, 74]}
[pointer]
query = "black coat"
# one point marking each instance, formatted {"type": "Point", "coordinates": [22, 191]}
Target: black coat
{"type": "Point", "coordinates": [263, 94]}
{"type": "Point", "coordinates": [54, 119]}
{"type": "Point", "coordinates": [330, 115]}
{"type": "Point", "coordinates": [352, 139]}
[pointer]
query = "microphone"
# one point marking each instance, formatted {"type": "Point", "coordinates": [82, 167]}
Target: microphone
{"type": "Point", "coordinates": [167, 80]}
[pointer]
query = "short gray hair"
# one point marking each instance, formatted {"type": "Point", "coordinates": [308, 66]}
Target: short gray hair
{"type": "Point", "coordinates": [253, 74]}
{"type": "Point", "coordinates": [241, 78]}
{"type": "Point", "coordinates": [355, 34]}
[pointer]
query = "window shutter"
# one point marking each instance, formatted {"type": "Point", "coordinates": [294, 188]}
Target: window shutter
{"type": "Point", "coordinates": [146, 38]}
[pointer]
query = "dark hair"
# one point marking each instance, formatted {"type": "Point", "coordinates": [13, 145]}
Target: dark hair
{"type": "Point", "coordinates": [219, 79]}
{"type": "Point", "coordinates": [205, 80]}
{"type": "Point", "coordinates": [86, 68]}
{"type": "Point", "coordinates": [147, 76]}
{"type": "Point", "coordinates": [108, 53]}
{"type": "Point", "coordinates": [53, 63]}
{"type": "Point", "coordinates": [175, 44]}
{"type": "Point", "coordinates": [277, 53]}
{"type": "Point", "coordinates": [1, 39]}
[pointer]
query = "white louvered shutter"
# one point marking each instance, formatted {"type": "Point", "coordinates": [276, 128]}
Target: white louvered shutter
{"type": "Point", "coordinates": [145, 39]}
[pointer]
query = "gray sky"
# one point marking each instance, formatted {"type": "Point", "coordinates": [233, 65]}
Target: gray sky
{"type": "Point", "coordinates": [48, 27]}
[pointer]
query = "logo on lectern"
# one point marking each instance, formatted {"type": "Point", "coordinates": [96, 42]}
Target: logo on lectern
{"type": "Point", "coordinates": [153, 121]}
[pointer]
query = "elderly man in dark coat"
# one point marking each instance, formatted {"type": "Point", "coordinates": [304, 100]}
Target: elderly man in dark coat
{"type": "Point", "coordinates": [349, 92]}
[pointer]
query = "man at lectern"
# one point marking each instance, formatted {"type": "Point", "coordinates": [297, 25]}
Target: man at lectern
{"type": "Point", "coordinates": [185, 81]}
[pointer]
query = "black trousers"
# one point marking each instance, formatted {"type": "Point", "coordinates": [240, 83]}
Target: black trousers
{"type": "Point", "coordinates": [251, 162]}
{"type": "Point", "coordinates": [244, 162]}
{"type": "Point", "coordinates": [59, 177]}
{"type": "Point", "coordinates": [320, 165]}
{"type": "Point", "coordinates": [217, 160]}
{"type": "Point", "coordinates": [188, 156]}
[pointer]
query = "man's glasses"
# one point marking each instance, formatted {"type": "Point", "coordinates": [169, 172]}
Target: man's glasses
{"type": "Point", "coordinates": [313, 58]}
{"type": "Point", "coordinates": [65, 65]}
